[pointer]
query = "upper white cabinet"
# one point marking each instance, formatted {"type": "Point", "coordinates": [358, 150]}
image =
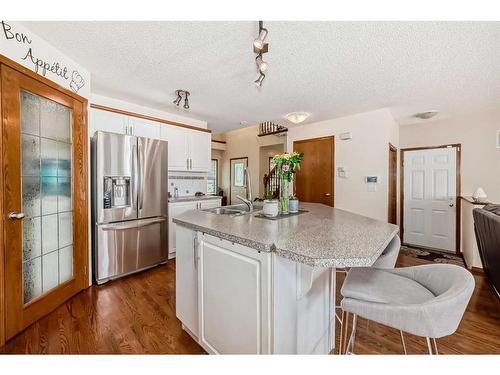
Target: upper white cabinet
{"type": "Point", "coordinates": [178, 159]}
{"type": "Point", "coordinates": [144, 128]}
{"type": "Point", "coordinates": [108, 121]}
{"type": "Point", "coordinates": [200, 151]}
{"type": "Point", "coordinates": [188, 150]}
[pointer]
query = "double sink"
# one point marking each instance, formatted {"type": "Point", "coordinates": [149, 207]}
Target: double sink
{"type": "Point", "coordinates": [234, 210]}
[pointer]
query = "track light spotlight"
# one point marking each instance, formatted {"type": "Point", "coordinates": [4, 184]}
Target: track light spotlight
{"type": "Point", "coordinates": [259, 43]}
{"type": "Point", "coordinates": [177, 100]}
{"type": "Point", "coordinates": [261, 64]}
{"type": "Point", "coordinates": [258, 81]}
{"type": "Point", "coordinates": [186, 101]}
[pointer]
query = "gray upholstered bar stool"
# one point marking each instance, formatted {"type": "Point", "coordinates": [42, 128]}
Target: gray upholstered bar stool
{"type": "Point", "coordinates": [387, 259]}
{"type": "Point", "coordinates": [427, 301]}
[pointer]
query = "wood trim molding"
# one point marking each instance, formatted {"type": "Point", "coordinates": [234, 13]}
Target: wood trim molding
{"type": "Point", "coordinates": [146, 117]}
{"type": "Point", "coordinates": [216, 141]}
{"type": "Point", "coordinates": [458, 190]}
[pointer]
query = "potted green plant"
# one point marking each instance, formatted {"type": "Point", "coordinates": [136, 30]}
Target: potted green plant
{"type": "Point", "coordinates": [270, 207]}
{"type": "Point", "coordinates": [293, 204]}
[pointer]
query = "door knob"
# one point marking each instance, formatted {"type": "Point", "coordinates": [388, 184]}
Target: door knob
{"type": "Point", "coordinates": [16, 215]}
{"type": "Point", "coordinates": [451, 204]}
{"type": "Point", "coordinates": [327, 194]}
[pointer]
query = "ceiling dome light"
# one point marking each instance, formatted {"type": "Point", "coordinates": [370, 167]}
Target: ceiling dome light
{"type": "Point", "coordinates": [297, 117]}
{"type": "Point", "coordinates": [258, 81]}
{"type": "Point", "coordinates": [426, 115]}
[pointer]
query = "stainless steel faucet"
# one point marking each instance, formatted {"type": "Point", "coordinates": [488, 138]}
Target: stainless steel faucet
{"type": "Point", "coordinates": [248, 186]}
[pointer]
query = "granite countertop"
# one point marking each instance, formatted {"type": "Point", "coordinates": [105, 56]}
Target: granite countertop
{"type": "Point", "coordinates": [322, 237]}
{"type": "Point", "coordinates": [193, 198]}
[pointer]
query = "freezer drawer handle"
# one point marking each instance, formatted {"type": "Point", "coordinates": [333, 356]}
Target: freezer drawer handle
{"type": "Point", "coordinates": [142, 223]}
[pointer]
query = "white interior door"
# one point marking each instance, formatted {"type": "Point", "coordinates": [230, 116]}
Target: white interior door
{"type": "Point", "coordinates": [430, 198]}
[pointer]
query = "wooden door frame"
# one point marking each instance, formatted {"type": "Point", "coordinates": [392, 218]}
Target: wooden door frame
{"type": "Point", "coordinates": [231, 175]}
{"type": "Point", "coordinates": [29, 73]}
{"type": "Point", "coordinates": [458, 189]}
{"type": "Point", "coordinates": [332, 137]}
{"type": "Point", "coordinates": [395, 149]}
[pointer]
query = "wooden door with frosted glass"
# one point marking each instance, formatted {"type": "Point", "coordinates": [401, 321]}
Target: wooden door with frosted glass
{"type": "Point", "coordinates": [44, 173]}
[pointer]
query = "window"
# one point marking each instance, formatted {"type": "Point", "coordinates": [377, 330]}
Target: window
{"type": "Point", "coordinates": [212, 177]}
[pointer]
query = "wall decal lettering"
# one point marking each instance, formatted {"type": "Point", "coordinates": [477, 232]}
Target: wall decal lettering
{"type": "Point", "coordinates": [44, 67]}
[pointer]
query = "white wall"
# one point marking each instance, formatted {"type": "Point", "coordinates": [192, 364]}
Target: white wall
{"type": "Point", "coordinates": [367, 153]}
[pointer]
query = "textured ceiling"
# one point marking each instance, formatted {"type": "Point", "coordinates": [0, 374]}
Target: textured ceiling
{"type": "Point", "coordinates": [330, 69]}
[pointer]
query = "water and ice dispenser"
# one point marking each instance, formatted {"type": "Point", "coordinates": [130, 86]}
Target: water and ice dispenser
{"type": "Point", "coordinates": [116, 192]}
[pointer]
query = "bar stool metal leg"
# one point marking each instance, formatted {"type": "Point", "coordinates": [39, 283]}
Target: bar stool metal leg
{"type": "Point", "coordinates": [352, 338]}
{"type": "Point", "coordinates": [429, 346]}
{"type": "Point", "coordinates": [435, 346]}
{"type": "Point", "coordinates": [403, 341]}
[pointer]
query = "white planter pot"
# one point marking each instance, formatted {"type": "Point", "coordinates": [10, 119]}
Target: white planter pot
{"type": "Point", "coordinates": [270, 208]}
{"type": "Point", "coordinates": [293, 205]}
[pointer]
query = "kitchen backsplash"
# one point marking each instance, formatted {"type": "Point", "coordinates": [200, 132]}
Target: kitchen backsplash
{"type": "Point", "coordinates": [187, 183]}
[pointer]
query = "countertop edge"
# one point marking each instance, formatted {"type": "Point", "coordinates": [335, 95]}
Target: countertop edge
{"type": "Point", "coordinates": [309, 261]}
{"type": "Point", "coordinates": [239, 240]}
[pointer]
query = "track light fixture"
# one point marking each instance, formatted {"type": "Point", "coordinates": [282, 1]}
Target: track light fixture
{"type": "Point", "coordinates": [258, 81]}
{"type": "Point", "coordinates": [260, 47]}
{"type": "Point", "coordinates": [180, 94]}
{"type": "Point", "coordinates": [259, 44]}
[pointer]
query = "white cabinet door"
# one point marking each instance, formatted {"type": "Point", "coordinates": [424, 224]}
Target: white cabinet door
{"type": "Point", "coordinates": [233, 297]}
{"type": "Point", "coordinates": [186, 279]}
{"type": "Point", "coordinates": [177, 147]}
{"type": "Point", "coordinates": [200, 151]}
{"type": "Point", "coordinates": [175, 209]}
{"type": "Point", "coordinates": [144, 128]}
{"type": "Point", "coordinates": [108, 121]}
{"type": "Point", "coordinates": [211, 203]}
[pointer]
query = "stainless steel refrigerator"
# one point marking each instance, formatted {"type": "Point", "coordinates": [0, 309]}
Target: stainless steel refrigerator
{"type": "Point", "coordinates": [130, 204]}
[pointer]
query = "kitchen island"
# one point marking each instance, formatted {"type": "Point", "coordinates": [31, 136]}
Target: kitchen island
{"type": "Point", "coordinates": [245, 284]}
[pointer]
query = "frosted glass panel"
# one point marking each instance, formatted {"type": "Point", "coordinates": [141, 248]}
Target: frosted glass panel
{"type": "Point", "coordinates": [30, 114]}
{"type": "Point", "coordinates": [50, 271]}
{"type": "Point", "coordinates": [30, 148]}
{"type": "Point", "coordinates": [46, 194]}
{"type": "Point", "coordinates": [50, 190]}
{"type": "Point", "coordinates": [64, 159]}
{"type": "Point", "coordinates": [64, 194]}
{"type": "Point", "coordinates": [65, 264]}
{"type": "Point", "coordinates": [32, 238]}
{"type": "Point", "coordinates": [32, 279]}
{"type": "Point", "coordinates": [65, 229]}
{"type": "Point", "coordinates": [49, 157]}
{"type": "Point", "coordinates": [49, 233]}
{"type": "Point", "coordinates": [54, 120]}
{"type": "Point", "coordinates": [31, 196]}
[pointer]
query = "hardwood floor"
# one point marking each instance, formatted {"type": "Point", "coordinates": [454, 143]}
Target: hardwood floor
{"type": "Point", "coordinates": [136, 315]}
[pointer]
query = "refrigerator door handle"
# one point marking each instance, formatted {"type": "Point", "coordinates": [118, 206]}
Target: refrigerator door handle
{"type": "Point", "coordinates": [135, 166]}
{"type": "Point", "coordinates": [132, 225]}
{"type": "Point", "coordinates": [141, 171]}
